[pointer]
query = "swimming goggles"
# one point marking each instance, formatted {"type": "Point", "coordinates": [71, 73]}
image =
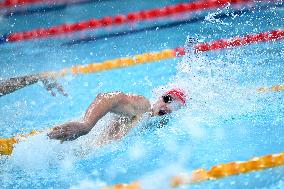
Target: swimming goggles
{"type": "Point", "coordinates": [167, 98]}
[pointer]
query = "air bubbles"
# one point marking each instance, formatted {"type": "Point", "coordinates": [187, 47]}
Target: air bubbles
{"type": "Point", "coordinates": [211, 18]}
{"type": "Point", "coordinates": [233, 16]}
{"type": "Point", "coordinates": [100, 84]}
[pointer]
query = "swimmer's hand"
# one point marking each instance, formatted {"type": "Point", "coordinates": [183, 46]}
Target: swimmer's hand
{"type": "Point", "coordinates": [50, 84]}
{"type": "Point", "coordinates": [69, 131]}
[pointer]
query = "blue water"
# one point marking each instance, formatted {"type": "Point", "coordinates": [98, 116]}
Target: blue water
{"type": "Point", "coordinates": [226, 120]}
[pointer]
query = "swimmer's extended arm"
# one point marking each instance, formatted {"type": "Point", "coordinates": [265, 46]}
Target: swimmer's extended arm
{"type": "Point", "coordinates": [108, 102]}
{"type": "Point", "coordinates": [103, 104]}
{"type": "Point", "coordinates": [12, 84]}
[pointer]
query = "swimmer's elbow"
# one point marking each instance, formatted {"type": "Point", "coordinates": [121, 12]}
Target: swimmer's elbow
{"type": "Point", "coordinates": [115, 97]}
{"type": "Point", "coordinates": [101, 95]}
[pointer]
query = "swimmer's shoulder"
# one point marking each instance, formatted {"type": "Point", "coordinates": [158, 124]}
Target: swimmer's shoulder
{"type": "Point", "coordinates": [140, 101]}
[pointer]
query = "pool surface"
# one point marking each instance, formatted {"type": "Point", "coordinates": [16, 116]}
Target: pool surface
{"type": "Point", "coordinates": [226, 118]}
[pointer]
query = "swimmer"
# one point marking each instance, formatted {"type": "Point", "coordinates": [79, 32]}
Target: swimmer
{"type": "Point", "coordinates": [128, 107]}
{"type": "Point", "coordinates": [12, 84]}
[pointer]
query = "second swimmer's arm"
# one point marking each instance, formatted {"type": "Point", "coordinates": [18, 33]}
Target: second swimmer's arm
{"type": "Point", "coordinates": [12, 84]}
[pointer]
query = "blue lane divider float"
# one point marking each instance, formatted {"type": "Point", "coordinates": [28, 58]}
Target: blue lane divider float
{"type": "Point", "coordinates": [3, 39]}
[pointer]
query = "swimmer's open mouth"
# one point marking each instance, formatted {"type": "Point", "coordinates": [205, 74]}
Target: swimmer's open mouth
{"type": "Point", "coordinates": [162, 112]}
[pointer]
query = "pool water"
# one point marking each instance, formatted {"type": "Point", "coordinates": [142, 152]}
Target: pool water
{"type": "Point", "coordinates": [225, 120]}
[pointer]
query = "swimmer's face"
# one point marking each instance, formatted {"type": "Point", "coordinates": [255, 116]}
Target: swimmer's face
{"type": "Point", "coordinates": [166, 104]}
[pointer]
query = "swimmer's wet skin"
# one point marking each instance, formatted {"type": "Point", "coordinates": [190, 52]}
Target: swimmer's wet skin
{"type": "Point", "coordinates": [15, 83]}
{"type": "Point", "coordinates": [126, 106]}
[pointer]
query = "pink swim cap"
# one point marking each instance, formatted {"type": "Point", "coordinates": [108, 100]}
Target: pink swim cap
{"type": "Point", "coordinates": [178, 93]}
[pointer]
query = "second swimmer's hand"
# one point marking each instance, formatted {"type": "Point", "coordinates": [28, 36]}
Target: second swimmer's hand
{"type": "Point", "coordinates": [68, 131]}
{"type": "Point", "coordinates": [50, 84]}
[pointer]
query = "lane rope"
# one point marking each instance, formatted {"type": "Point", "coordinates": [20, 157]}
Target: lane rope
{"type": "Point", "coordinates": [16, 3]}
{"type": "Point", "coordinates": [120, 19]}
{"type": "Point", "coordinates": [7, 144]}
{"type": "Point", "coordinates": [274, 88]}
{"type": "Point", "coordinates": [218, 171]}
{"type": "Point", "coordinates": [40, 7]}
{"type": "Point", "coordinates": [229, 169]}
{"type": "Point", "coordinates": [148, 57]}
{"type": "Point", "coordinates": [13, 3]}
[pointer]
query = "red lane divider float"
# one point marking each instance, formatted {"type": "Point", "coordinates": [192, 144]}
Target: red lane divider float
{"type": "Point", "coordinates": [7, 4]}
{"type": "Point", "coordinates": [120, 19]}
{"type": "Point", "coordinates": [239, 41]}
{"type": "Point", "coordinates": [235, 41]}
{"type": "Point", "coordinates": [11, 3]}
